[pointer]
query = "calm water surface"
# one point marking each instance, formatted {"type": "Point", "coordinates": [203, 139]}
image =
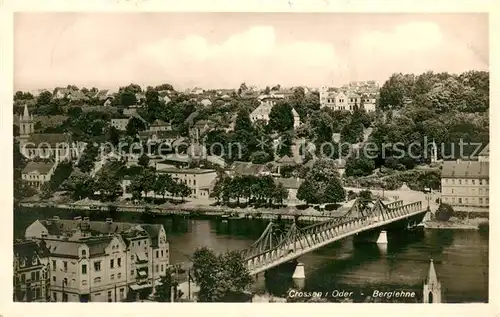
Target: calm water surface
{"type": "Point", "coordinates": [460, 257]}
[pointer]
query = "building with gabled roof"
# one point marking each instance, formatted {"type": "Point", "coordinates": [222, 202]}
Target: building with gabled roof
{"type": "Point", "coordinates": [31, 275]}
{"type": "Point", "coordinates": [35, 174]}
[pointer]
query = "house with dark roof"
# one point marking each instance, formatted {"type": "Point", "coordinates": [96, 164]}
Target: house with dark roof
{"type": "Point", "coordinates": [35, 174]}
{"type": "Point", "coordinates": [465, 185]}
{"type": "Point", "coordinates": [31, 275]}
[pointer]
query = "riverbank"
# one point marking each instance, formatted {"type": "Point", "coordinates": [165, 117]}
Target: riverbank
{"type": "Point", "coordinates": [455, 223]}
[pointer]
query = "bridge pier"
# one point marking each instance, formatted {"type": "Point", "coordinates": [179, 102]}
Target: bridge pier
{"type": "Point", "coordinates": [382, 238]}
{"type": "Point", "coordinates": [299, 272]}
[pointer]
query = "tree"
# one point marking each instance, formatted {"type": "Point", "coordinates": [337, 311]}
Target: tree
{"type": "Point", "coordinates": [444, 212]}
{"type": "Point", "coordinates": [183, 191]}
{"type": "Point", "coordinates": [80, 185]}
{"type": "Point", "coordinates": [135, 125]}
{"type": "Point", "coordinates": [322, 184]}
{"type": "Point", "coordinates": [163, 291]}
{"type": "Point", "coordinates": [46, 191]}
{"type": "Point", "coordinates": [260, 157]}
{"type": "Point", "coordinates": [127, 98]}
{"type": "Point", "coordinates": [144, 160]}
{"type": "Point", "coordinates": [164, 87]}
{"type": "Point", "coordinates": [243, 122]}
{"type": "Point", "coordinates": [113, 135]}
{"type": "Point", "coordinates": [219, 277]}
{"type": "Point", "coordinates": [361, 166]}
{"type": "Point", "coordinates": [281, 117]}
{"type": "Point", "coordinates": [163, 184]}
{"type": "Point", "coordinates": [280, 193]}
{"type": "Point", "coordinates": [87, 161]}
{"type": "Point", "coordinates": [44, 98]}
{"type": "Point", "coordinates": [109, 179]}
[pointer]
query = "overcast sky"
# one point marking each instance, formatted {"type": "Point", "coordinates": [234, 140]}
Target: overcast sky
{"type": "Point", "coordinates": [222, 50]}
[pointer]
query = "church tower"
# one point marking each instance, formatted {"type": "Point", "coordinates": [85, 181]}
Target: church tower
{"type": "Point", "coordinates": [26, 123]}
{"type": "Point", "coordinates": [432, 287]}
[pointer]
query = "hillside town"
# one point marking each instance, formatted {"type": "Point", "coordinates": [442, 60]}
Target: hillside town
{"type": "Point", "coordinates": [298, 149]}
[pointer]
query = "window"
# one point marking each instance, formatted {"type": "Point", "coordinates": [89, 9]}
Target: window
{"type": "Point", "coordinates": [147, 255]}
{"type": "Point", "coordinates": [122, 293]}
{"type": "Point", "coordinates": [53, 278]}
{"type": "Point", "coordinates": [119, 263]}
{"type": "Point", "coordinates": [97, 266]}
{"type": "Point", "coordinates": [37, 275]}
{"type": "Point", "coordinates": [139, 243]}
{"type": "Point", "coordinates": [84, 282]}
{"type": "Point", "coordinates": [112, 276]}
{"type": "Point", "coordinates": [157, 253]}
{"type": "Point", "coordinates": [84, 269]}
{"type": "Point", "coordinates": [162, 253]}
{"type": "Point", "coordinates": [161, 267]}
{"type": "Point", "coordinates": [132, 257]}
{"type": "Point", "coordinates": [194, 182]}
{"type": "Point", "coordinates": [459, 200]}
{"type": "Point", "coordinates": [97, 280]}
{"type": "Point", "coordinates": [112, 263]}
{"type": "Point", "coordinates": [157, 268]}
{"type": "Point", "coordinates": [480, 201]}
{"type": "Point", "coordinates": [84, 253]}
{"type": "Point", "coordinates": [131, 272]}
{"type": "Point", "coordinates": [53, 265]}
{"type": "Point", "coordinates": [466, 200]}
{"type": "Point", "coordinates": [109, 297]}
{"type": "Point", "coordinates": [65, 282]}
{"type": "Point", "coordinates": [473, 182]}
{"type": "Point", "coordinates": [65, 265]}
{"type": "Point", "coordinates": [460, 182]}
{"type": "Point", "coordinates": [32, 276]}
{"type": "Point", "coordinates": [487, 200]}
{"type": "Point", "coordinates": [119, 276]}
{"type": "Point", "coordinates": [54, 296]}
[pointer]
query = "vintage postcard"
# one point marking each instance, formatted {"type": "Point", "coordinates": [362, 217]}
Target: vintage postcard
{"type": "Point", "coordinates": [245, 157]}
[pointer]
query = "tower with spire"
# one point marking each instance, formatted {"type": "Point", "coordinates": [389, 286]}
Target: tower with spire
{"type": "Point", "coordinates": [26, 125]}
{"type": "Point", "coordinates": [432, 287]}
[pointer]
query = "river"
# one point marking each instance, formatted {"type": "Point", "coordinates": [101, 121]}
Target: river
{"type": "Point", "coordinates": [460, 258]}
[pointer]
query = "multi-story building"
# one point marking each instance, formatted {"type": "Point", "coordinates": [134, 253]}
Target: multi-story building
{"type": "Point", "coordinates": [361, 95]}
{"type": "Point", "coordinates": [160, 125]}
{"type": "Point", "coordinates": [36, 174]}
{"type": "Point", "coordinates": [31, 276]}
{"type": "Point", "coordinates": [200, 181]}
{"type": "Point", "coordinates": [465, 185]}
{"type": "Point", "coordinates": [102, 261]}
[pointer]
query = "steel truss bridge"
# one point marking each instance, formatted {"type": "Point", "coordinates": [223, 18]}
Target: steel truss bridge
{"type": "Point", "coordinates": [275, 247]}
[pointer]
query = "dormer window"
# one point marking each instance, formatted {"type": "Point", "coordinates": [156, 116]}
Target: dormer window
{"type": "Point", "coordinates": [84, 253]}
{"type": "Point", "coordinates": [34, 261]}
{"type": "Point", "coordinates": [23, 262]}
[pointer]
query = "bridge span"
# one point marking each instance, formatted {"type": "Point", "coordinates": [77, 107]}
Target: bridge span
{"type": "Point", "coordinates": [275, 247]}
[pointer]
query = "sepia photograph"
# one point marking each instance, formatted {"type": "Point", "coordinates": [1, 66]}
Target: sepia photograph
{"type": "Point", "coordinates": [250, 157]}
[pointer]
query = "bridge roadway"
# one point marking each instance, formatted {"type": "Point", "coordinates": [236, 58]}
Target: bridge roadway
{"type": "Point", "coordinates": [274, 248]}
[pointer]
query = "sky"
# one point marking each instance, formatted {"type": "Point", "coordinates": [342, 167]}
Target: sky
{"type": "Point", "coordinates": [222, 50]}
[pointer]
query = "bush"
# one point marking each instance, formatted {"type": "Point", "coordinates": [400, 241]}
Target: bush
{"type": "Point", "coordinates": [444, 212]}
{"type": "Point", "coordinates": [484, 227]}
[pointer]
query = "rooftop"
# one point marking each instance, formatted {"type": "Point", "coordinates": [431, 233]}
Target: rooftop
{"type": "Point", "coordinates": [39, 167]}
{"type": "Point", "coordinates": [465, 169]}
{"type": "Point", "coordinates": [172, 170]}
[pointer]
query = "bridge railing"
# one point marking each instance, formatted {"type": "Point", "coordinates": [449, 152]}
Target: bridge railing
{"type": "Point", "coordinates": [310, 237]}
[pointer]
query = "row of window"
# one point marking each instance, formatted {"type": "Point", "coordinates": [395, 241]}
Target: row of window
{"type": "Point", "coordinates": [162, 254]}
{"type": "Point", "coordinates": [35, 276]}
{"type": "Point", "coordinates": [481, 191]}
{"type": "Point", "coordinates": [466, 200]}
{"type": "Point", "coordinates": [466, 181]}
